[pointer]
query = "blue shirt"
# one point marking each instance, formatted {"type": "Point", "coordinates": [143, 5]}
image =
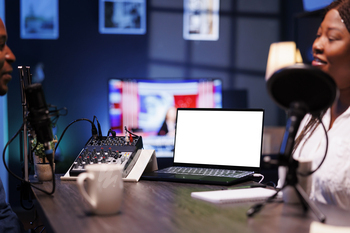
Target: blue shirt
{"type": "Point", "coordinates": [9, 221]}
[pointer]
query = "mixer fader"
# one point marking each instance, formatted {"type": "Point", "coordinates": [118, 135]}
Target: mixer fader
{"type": "Point", "coordinates": [122, 150]}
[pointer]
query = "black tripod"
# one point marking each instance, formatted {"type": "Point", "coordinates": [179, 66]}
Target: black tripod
{"type": "Point", "coordinates": [296, 113]}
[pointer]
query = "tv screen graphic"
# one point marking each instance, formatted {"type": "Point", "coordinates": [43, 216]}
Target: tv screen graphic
{"type": "Point", "coordinates": [148, 107]}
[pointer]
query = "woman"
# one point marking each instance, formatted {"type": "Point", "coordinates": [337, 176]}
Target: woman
{"type": "Point", "coordinates": [331, 51]}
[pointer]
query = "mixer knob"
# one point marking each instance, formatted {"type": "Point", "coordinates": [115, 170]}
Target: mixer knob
{"type": "Point", "coordinates": [117, 155]}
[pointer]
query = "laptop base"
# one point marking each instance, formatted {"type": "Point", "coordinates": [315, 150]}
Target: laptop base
{"type": "Point", "coordinates": [193, 178]}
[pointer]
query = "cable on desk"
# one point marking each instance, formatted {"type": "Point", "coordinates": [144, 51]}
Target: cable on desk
{"type": "Point", "coordinates": [259, 175]}
{"type": "Point", "coordinates": [131, 132]}
{"type": "Point", "coordinates": [257, 207]}
{"type": "Point", "coordinates": [19, 178]}
{"type": "Point", "coordinates": [93, 129]}
{"type": "Point", "coordinates": [271, 182]}
{"type": "Point", "coordinates": [98, 125]}
{"type": "Point", "coordinates": [94, 133]}
{"type": "Point", "coordinates": [110, 131]}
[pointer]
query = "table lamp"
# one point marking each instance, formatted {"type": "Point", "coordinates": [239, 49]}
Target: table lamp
{"type": "Point", "coordinates": [282, 54]}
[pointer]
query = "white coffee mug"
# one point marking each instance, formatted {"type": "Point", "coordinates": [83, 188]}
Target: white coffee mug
{"type": "Point", "coordinates": [104, 189]}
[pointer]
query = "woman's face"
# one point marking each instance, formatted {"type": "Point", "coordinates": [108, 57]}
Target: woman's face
{"type": "Point", "coordinates": [331, 49]}
{"type": "Point", "coordinates": [6, 59]}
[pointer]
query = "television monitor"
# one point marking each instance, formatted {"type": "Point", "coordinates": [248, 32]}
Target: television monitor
{"type": "Point", "coordinates": [148, 106]}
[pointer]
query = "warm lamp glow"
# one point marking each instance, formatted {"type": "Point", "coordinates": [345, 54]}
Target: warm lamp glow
{"type": "Point", "coordinates": [282, 54]}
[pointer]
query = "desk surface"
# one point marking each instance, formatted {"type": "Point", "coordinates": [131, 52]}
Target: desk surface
{"type": "Point", "coordinates": [150, 206]}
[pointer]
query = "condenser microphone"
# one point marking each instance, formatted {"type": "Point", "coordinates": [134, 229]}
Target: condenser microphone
{"type": "Point", "coordinates": [38, 116]}
{"type": "Point", "coordinates": [40, 122]}
{"type": "Point", "coordinates": [303, 84]}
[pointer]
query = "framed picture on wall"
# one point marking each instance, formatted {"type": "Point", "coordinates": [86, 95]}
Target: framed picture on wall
{"type": "Point", "coordinates": [122, 16]}
{"type": "Point", "coordinates": [39, 19]}
{"type": "Point", "coordinates": [201, 19]}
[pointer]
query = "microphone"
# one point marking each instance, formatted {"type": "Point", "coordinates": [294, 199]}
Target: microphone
{"type": "Point", "coordinates": [303, 84]}
{"type": "Point", "coordinates": [39, 117]}
{"type": "Point", "coordinates": [300, 89]}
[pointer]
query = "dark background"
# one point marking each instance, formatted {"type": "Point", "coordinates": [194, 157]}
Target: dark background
{"type": "Point", "coordinates": [78, 64]}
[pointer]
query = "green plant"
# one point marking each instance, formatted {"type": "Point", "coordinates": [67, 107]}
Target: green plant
{"type": "Point", "coordinates": [39, 150]}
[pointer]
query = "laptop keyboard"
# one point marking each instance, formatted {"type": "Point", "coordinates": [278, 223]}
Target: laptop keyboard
{"type": "Point", "coordinates": [205, 172]}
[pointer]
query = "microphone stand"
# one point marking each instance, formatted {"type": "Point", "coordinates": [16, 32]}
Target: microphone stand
{"type": "Point", "coordinates": [296, 113]}
{"type": "Point", "coordinates": [25, 80]}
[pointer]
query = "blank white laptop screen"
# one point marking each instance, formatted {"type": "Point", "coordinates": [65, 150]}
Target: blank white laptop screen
{"type": "Point", "coordinates": [228, 138]}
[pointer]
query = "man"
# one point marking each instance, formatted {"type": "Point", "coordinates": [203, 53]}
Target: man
{"type": "Point", "coordinates": [6, 59]}
{"type": "Point", "coordinates": [9, 221]}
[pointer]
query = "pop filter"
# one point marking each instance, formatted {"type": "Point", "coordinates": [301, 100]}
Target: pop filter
{"type": "Point", "coordinates": [301, 83]}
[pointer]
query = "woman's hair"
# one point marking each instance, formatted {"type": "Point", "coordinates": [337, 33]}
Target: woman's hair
{"type": "Point", "coordinates": [308, 128]}
{"type": "Point", "coordinates": [343, 7]}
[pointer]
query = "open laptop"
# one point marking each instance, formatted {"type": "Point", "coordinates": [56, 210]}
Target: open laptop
{"type": "Point", "coordinates": [207, 139]}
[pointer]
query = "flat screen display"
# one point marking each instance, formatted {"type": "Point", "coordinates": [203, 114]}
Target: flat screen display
{"type": "Point", "coordinates": [224, 137]}
{"type": "Point", "coordinates": [148, 107]}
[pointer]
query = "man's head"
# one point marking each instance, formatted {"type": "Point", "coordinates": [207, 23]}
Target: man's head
{"type": "Point", "coordinates": [6, 59]}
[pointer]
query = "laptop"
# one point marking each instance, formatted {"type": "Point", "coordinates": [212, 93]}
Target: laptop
{"type": "Point", "coordinates": [214, 146]}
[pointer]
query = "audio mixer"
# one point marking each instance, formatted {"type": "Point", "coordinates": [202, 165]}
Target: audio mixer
{"type": "Point", "coordinates": [123, 150]}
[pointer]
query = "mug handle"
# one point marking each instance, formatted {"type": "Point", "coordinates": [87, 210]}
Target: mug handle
{"type": "Point", "coordinates": [80, 181]}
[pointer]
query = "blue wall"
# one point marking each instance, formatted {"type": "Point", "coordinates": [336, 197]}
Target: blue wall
{"type": "Point", "coordinates": [76, 67]}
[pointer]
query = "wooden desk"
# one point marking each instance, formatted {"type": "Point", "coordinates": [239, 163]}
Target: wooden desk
{"type": "Point", "coordinates": [150, 206]}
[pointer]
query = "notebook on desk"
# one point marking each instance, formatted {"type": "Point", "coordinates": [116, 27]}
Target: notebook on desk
{"type": "Point", "coordinates": [214, 146]}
